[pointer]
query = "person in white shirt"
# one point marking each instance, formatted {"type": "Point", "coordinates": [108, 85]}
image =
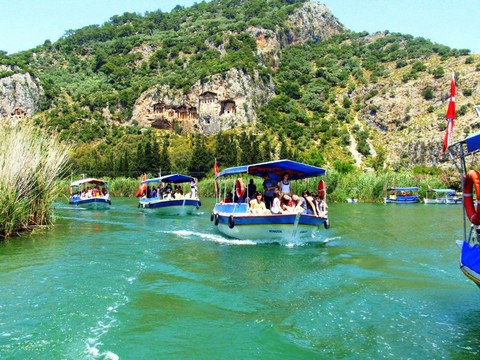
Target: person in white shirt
{"type": "Point", "coordinates": [286, 185]}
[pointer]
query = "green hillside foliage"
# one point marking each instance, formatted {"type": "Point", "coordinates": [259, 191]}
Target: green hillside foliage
{"type": "Point", "coordinates": [93, 76]}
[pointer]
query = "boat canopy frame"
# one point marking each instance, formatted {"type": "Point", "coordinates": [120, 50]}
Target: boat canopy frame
{"type": "Point", "coordinates": [274, 169]}
{"type": "Point", "coordinates": [459, 152]}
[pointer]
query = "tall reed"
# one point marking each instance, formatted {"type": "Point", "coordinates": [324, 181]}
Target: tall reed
{"type": "Point", "coordinates": [31, 162]}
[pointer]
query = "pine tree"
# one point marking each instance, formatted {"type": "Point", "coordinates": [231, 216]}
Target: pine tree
{"type": "Point", "coordinates": [201, 158]}
{"type": "Point", "coordinates": [164, 164]}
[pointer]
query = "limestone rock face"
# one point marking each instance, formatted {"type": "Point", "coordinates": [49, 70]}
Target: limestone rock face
{"type": "Point", "coordinates": [223, 102]}
{"type": "Point", "coordinates": [313, 21]}
{"type": "Point", "coordinates": [20, 95]}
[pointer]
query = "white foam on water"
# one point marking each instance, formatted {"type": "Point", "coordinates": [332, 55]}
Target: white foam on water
{"type": "Point", "coordinates": [102, 327]}
{"type": "Point", "coordinates": [209, 237]}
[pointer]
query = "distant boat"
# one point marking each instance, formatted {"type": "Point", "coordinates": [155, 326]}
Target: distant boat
{"type": "Point", "coordinates": [159, 195]}
{"type": "Point", "coordinates": [352, 200]}
{"type": "Point", "coordinates": [90, 193]}
{"type": "Point", "coordinates": [469, 246]}
{"type": "Point", "coordinates": [236, 220]}
{"type": "Point", "coordinates": [402, 195]}
{"type": "Point", "coordinates": [442, 196]}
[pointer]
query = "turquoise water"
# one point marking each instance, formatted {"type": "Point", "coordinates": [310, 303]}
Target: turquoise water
{"type": "Point", "coordinates": [382, 283]}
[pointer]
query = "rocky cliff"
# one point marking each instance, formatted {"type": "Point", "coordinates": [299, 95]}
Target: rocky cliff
{"type": "Point", "coordinates": [220, 103]}
{"type": "Point", "coordinates": [20, 94]}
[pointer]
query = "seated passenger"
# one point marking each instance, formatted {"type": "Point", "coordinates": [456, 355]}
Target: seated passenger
{"type": "Point", "coordinates": [321, 205]}
{"type": "Point", "coordinates": [257, 206]}
{"type": "Point", "coordinates": [310, 207]}
{"type": "Point", "coordinates": [286, 203]}
{"type": "Point", "coordinates": [276, 204]}
{"type": "Point", "coordinates": [300, 204]}
{"type": "Point", "coordinates": [228, 199]}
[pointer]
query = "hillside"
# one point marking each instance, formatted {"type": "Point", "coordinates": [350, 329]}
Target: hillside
{"type": "Point", "coordinates": [241, 81]}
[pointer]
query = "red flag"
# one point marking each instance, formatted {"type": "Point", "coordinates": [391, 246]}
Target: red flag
{"type": "Point", "coordinates": [216, 171]}
{"type": "Point", "coordinates": [450, 117]}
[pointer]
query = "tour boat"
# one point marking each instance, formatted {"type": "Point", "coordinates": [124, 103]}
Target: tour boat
{"type": "Point", "coordinates": [159, 195]}
{"type": "Point", "coordinates": [235, 220]}
{"type": "Point", "coordinates": [90, 193]}
{"type": "Point", "coordinates": [469, 246]}
{"type": "Point", "coordinates": [352, 200]}
{"type": "Point", "coordinates": [402, 195]}
{"type": "Point", "coordinates": [442, 196]}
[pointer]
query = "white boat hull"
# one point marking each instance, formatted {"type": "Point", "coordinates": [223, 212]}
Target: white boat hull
{"type": "Point", "coordinates": [92, 203]}
{"type": "Point", "coordinates": [170, 207]}
{"type": "Point", "coordinates": [268, 227]}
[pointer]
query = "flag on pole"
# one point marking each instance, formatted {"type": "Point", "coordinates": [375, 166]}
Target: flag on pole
{"type": "Point", "coordinates": [450, 117]}
{"type": "Point", "coordinates": [216, 171]}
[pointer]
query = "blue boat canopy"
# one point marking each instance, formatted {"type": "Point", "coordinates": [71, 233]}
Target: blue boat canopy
{"type": "Point", "coordinates": [414, 188]}
{"type": "Point", "coordinates": [473, 142]}
{"type": "Point", "coordinates": [174, 178]}
{"type": "Point", "coordinates": [276, 169]}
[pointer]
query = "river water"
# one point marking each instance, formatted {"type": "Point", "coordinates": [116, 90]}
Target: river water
{"type": "Point", "coordinates": [382, 283]}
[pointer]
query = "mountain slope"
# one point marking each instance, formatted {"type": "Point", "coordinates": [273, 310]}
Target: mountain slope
{"type": "Point", "coordinates": [286, 71]}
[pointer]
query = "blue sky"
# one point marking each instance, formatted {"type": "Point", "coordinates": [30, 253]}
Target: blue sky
{"type": "Point", "coordinates": [25, 24]}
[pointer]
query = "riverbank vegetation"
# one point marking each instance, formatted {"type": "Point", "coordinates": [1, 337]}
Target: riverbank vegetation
{"type": "Point", "coordinates": [366, 186]}
{"type": "Point", "coordinates": [31, 163]}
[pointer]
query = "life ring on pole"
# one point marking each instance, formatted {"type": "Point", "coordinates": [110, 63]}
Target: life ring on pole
{"type": "Point", "coordinates": [321, 189]}
{"type": "Point", "coordinates": [231, 222]}
{"type": "Point", "coordinates": [240, 188]}
{"type": "Point", "coordinates": [472, 178]}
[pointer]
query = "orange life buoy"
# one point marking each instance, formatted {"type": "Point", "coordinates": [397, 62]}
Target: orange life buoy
{"type": "Point", "coordinates": [471, 178]}
{"type": "Point", "coordinates": [404, 193]}
{"type": "Point", "coordinates": [240, 188]}
{"type": "Point", "coordinates": [321, 189]}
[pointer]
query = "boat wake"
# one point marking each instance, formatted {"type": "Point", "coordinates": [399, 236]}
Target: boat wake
{"type": "Point", "coordinates": [226, 241]}
{"type": "Point", "coordinates": [208, 237]}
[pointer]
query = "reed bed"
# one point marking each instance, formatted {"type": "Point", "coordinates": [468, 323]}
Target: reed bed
{"type": "Point", "coordinates": [31, 162]}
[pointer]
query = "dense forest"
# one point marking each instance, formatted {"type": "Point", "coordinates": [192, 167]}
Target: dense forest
{"type": "Point", "coordinates": [324, 89]}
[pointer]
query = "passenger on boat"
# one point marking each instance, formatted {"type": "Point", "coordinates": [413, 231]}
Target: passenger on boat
{"type": "Point", "coordinates": [300, 205]}
{"type": "Point", "coordinates": [286, 203]}
{"type": "Point", "coordinates": [321, 205]}
{"type": "Point", "coordinates": [269, 186]}
{"type": "Point", "coordinates": [178, 192]}
{"type": "Point", "coordinates": [95, 192]}
{"type": "Point", "coordinates": [228, 199]}
{"type": "Point", "coordinates": [286, 185]}
{"type": "Point", "coordinates": [257, 206]}
{"type": "Point", "coordinates": [104, 191]}
{"type": "Point", "coordinates": [251, 189]}
{"type": "Point", "coordinates": [311, 208]}
{"type": "Point", "coordinates": [167, 193]}
{"type": "Point", "coordinates": [153, 193]}
{"type": "Point", "coordinates": [276, 204]}
{"type": "Point", "coordinates": [193, 188]}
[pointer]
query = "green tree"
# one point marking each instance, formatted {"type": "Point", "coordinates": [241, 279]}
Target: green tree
{"type": "Point", "coordinates": [201, 158]}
